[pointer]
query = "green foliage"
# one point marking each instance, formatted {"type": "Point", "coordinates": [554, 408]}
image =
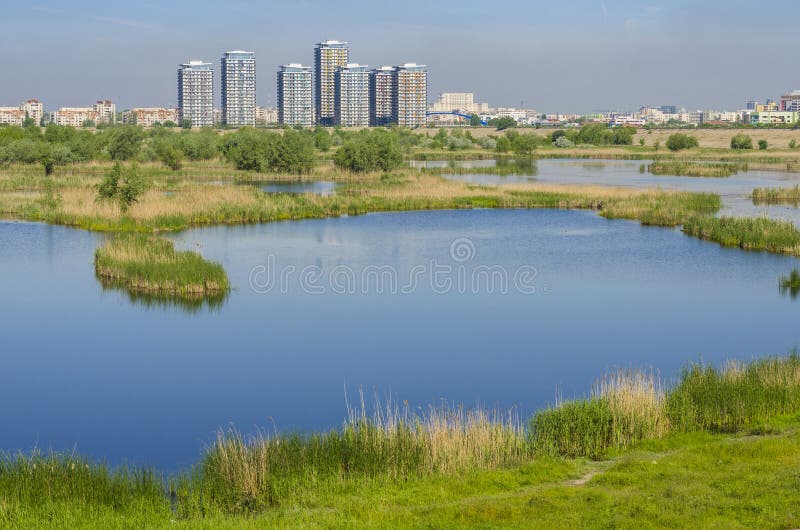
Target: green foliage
{"type": "Point", "coordinates": [502, 124]}
{"type": "Point", "coordinates": [681, 141]}
{"type": "Point", "coordinates": [322, 139]}
{"type": "Point", "coordinates": [736, 397]}
{"type": "Point", "coordinates": [369, 150]}
{"type": "Point", "coordinates": [124, 185]}
{"type": "Point", "coordinates": [750, 234]}
{"type": "Point", "coordinates": [145, 263]}
{"type": "Point", "coordinates": [793, 144]}
{"type": "Point", "coordinates": [290, 152]}
{"type": "Point", "coordinates": [600, 134]}
{"type": "Point", "coordinates": [741, 141]}
{"type": "Point", "coordinates": [503, 145]}
{"type": "Point", "coordinates": [475, 121]}
{"type": "Point", "coordinates": [124, 142]}
{"type": "Point", "coordinates": [574, 429]}
{"type": "Point", "coordinates": [763, 145]}
{"type": "Point", "coordinates": [169, 155]}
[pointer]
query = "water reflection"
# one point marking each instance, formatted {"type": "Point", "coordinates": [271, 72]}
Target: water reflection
{"type": "Point", "coordinates": [186, 304]}
{"type": "Point", "coordinates": [296, 187]}
{"type": "Point", "coordinates": [790, 285]}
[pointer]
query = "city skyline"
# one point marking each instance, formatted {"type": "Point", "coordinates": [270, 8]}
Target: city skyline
{"type": "Point", "coordinates": [600, 55]}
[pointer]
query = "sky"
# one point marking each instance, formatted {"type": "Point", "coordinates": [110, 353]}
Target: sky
{"type": "Point", "coordinates": [556, 56]}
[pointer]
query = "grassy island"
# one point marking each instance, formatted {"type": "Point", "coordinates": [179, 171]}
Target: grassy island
{"type": "Point", "coordinates": [718, 447]}
{"type": "Point", "coordinates": [789, 196]}
{"type": "Point", "coordinates": [147, 264]}
{"type": "Point", "coordinates": [679, 168]}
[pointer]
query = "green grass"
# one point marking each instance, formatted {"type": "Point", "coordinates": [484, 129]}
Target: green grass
{"type": "Point", "coordinates": [150, 265]}
{"type": "Point", "coordinates": [680, 168]}
{"type": "Point", "coordinates": [777, 196]}
{"type": "Point", "coordinates": [720, 447]}
{"type": "Point", "coordinates": [765, 234]}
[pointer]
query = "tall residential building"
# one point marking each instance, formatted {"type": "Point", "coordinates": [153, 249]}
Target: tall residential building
{"type": "Point", "coordinates": [238, 71]}
{"type": "Point", "coordinates": [328, 56]}
{"type": "Point", "coordinates": [382, 94]}
{"type": "Point", "coordinates": [791, 102]}
{"type": "Point", "coordinates": [196, 93]}
{"type": "Point", "coordinates": [295, 102]}
{"type": "Point", "coordinates": [105, 111]}
{"type": "Point", "coordinates": [411, 103]}
{"type": "Point", "coordinates": [352, 96]}
{"type": "Point", "coordinates": [34, 109]}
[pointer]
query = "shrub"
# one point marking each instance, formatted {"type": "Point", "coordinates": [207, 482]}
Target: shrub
{"type": "Point", "coordinates": [741, 141]}
{"type": "Point", "coordinates": [563, 142]}
{"type": "Point", "coordinates": [369, 150]}
{"type": "Point", "coordinates": [126, 186]}
{"type": "Point", "coordinates": [680, 141]}
{"type": "Point", "coordinates": [793, 144]}
{"type": "Point", "coordinates": [763, 144]}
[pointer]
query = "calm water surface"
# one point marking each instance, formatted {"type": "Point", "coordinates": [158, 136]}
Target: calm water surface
{"type": "Point", "coordinates": [89, 369]}
{"type": "Point", "coordinates": [735, 190]}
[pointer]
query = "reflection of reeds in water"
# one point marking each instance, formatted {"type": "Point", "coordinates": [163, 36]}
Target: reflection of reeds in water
{"type": "Point", "coordinates": [187, 304]}
{"type": "Point", "coordinates": [787, 196]}
{"type": "Point", "coordinates": [790, 285]}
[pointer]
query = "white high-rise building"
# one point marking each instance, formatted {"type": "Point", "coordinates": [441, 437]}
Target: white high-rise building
{"type": "Point", "coordinates": [352, 96]}
{"type": "Point", "coordinates": [196, 93]}
{"type": "Point", "coordinates": [411, 103]}
{"type": "Point", "coordinates": [34, 109]}
{"type": "Point", "coordinates": [382, 96]}
{"type": "Point", "coordinates": [460, 101]}
{"type": "Point", "coordinates": [105, 111]}
{"type": "Point", "coordinates": [328, 56]}
{"type": "Point", "coordinates": [295, 102]}
{"type": "Point", "coordinates": [238, 72]}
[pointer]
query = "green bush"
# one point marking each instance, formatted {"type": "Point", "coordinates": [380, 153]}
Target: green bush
{"type": "Point", "coordinates": [369, 150]}
{"type": "Point", "coordinates": [126, 186]}
{"type": "Point", "coordinates": [741, 141]}
{"type": "Point", "coordinates": [763, 144]}
{"type": "Point", "coordinates": [680, 141]}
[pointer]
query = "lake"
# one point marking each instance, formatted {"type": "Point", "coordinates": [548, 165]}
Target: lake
{"type": "Point", "coordinates": [409, 305]}
{"type": "Point", "coordinates": [735, 190]}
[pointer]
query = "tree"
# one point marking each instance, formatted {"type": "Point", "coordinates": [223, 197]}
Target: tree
{"type": "Point", "coordinates": [125, 142]}
{"type": "Point", "coordinates": [169, 155]}
{"type": "Point", "coordinates": [741, 141]}
{"type": "Point", "coordinates": [369, 151]}
{"type": "Point", "coordinates": [126, 186]}
{"type": "Point", "coordinates": [680, 141]}
{"type": "Point", "coordinates": [475, 121]}
{"type": "Point", "coordinates": [503, 145]}
{"type": "Point", "coordinates": [322, 140]}
{"type": "Point", "coordinates": [503, 123]}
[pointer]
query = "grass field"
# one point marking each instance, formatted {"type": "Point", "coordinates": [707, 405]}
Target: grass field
{"type": "Point", "coordinates": [720, 447]}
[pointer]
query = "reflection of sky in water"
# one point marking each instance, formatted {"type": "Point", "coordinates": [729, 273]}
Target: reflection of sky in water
{"type": "Point", "coordinates": [144, 382]}
{"type": "Point", "coordinates": [735, 190]}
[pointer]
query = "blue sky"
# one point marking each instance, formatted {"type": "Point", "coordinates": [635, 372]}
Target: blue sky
{"type": "Point", "coordinates": [576, 56]}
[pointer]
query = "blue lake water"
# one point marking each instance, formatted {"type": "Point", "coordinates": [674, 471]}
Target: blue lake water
{"type": "Point", "coordinates": [88, 369]}
{"type": "Point", "coordinates": [735, 190]}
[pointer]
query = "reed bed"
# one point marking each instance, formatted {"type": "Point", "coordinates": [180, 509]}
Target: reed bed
{"type": "Point", "coordinates": [148, 264]}
{"type": "Point", "coordinates": [780, 237]}
{"type": "Point", "coordinates": [777, 196]}
{"type": "Point", "coordinates": [625, 408]}
{"type": "Point", "coordinates": [680, 168]}
{"type": "Point", "coordinates": [736, 396]}
{"type": "Point", "coordinates": [240, 474]}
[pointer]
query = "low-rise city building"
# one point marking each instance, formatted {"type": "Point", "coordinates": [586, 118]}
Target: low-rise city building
{"type": "Point", "coordinates": [147, 117]}
{"type": "Point", "coordinates": [266, 116]}
{"type": "Point", "coordinates": [12, 116]}
{"type": "Point", "coordinates": [773, 118]}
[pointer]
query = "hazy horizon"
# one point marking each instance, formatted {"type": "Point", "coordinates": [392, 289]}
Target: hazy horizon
{"type": "Point", "coordinates": [588, 56]}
